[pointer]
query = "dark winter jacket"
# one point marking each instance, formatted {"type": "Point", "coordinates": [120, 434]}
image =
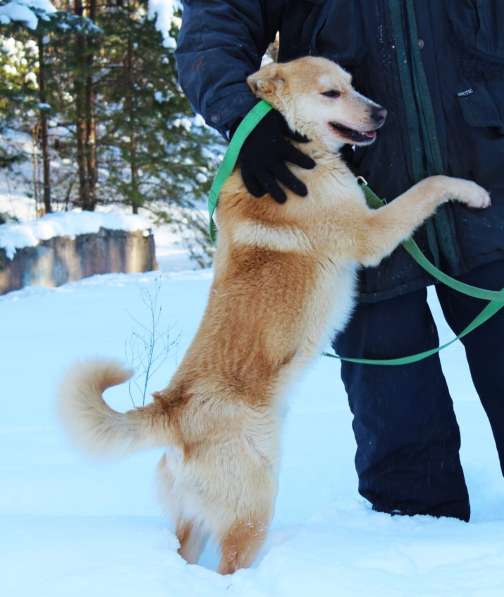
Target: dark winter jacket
{"type": "Point", "coordinates": [436, 65]}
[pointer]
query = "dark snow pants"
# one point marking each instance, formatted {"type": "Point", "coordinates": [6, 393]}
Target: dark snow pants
{"type": "Point", "coordinates": [407, 436]}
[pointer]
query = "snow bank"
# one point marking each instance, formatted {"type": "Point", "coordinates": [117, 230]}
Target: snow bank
{"type": "Point", "coordinates": [20, 11]}
{"type": "Point", "coordinates": [72, 223]}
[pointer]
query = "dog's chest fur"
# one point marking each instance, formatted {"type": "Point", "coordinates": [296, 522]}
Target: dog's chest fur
{"type": "Point", "coordinates": [330, 304]}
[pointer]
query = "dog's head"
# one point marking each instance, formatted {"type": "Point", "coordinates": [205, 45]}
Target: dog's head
{"type": "Point", "coordinates": [317, 99]}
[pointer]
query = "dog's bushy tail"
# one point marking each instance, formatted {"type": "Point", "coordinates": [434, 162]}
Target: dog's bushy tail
{"type": "Point", "coordinates": [97, 428]}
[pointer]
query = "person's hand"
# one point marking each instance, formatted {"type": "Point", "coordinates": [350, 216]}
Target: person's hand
{"type": "Point", "coordinates": [263, 158]}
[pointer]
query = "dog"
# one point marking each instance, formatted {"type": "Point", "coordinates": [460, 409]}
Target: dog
{"type": "Point", "coordinates": [284, 280]}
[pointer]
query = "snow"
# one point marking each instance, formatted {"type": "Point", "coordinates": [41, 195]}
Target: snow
{"type": "Point", "coordinates": [15, 203]}
{"type": "Point", "coordinates": [162, 11]}
{"type": "Point", "coordinates": [74, 527]}
{"type": "Point", "coordinates": [21, 11]}
{"type": "Point", "coordinates": [171, 251]}
{"type": "Point", "coordinates": [71, 223]}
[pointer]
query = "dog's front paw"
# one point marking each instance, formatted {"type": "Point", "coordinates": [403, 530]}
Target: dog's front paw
{"type": "Point", "coordinates": [471, 194]}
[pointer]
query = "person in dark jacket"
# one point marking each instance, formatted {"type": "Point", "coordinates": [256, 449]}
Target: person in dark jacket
{"type": "Point", "coordinates": [438, 67]}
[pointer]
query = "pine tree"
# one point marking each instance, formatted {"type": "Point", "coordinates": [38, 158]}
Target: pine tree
{"type": "Point", "coordinates": [158, 147]}
{"type": "Point", "coordinates": [32, 98]}
{"type": "Point", "coordinates": [18, 86]}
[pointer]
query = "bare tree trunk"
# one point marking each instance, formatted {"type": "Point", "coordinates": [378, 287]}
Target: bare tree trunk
{"type": "Point", "coordinates": [85, 115]}
{"type": "Point", "coordinates": [134, 182]}
{"type": "Point", "coordinates": [46, 165]}
{"type": "Point", "coordinates": [135, 188]}
{"type": "Point", "coordinates": [90, 116]}
{"type": "Point", "coordinates": [80, 125]}
{"type": "Point", "coordinates": [35, 132]}
{"type": "Point", "coordinates": [80, 121]}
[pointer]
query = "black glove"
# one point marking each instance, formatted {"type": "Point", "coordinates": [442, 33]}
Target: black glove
{"type": "Point", "coordinates": [264, 155]}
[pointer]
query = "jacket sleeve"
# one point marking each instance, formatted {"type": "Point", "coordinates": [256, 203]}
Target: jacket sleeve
{"type": "Point", "coordinates": [220, 43]}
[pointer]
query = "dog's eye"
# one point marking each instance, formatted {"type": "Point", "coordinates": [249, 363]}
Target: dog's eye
{"type": "Point", "coordinates": [331, 93]}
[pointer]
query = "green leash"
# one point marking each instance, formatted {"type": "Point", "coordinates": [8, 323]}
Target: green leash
{"type": "Point", "coordinates": [247, 125]}
{"type": "Point", "coordinates": [495, 297]}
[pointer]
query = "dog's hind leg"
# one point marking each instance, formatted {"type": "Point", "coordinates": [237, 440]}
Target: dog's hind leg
{"type": "Point", "coordinates": [166, 489]}
{"type": "Point", "coordinates": [191, 535]}
{"type": "Point", "coordinates": [241, 543]}
{"type": "Point", "coordinates": [192, 538]}
{"type": "Point", "coordinates": [242, 537]}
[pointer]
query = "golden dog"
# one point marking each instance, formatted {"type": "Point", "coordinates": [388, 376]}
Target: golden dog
{"type": "Point", "coordinates": [284, 279]}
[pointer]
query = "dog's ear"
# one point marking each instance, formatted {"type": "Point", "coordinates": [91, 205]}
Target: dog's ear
{"type": "Point", "coordinates": [267, 81]}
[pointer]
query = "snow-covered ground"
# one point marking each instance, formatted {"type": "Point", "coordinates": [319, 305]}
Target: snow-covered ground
{"type": "Point", "coordinates": [71, 527]}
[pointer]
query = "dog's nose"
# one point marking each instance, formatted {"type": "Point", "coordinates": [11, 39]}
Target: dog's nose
{"type": "Point", "coordinates": [378, 114]}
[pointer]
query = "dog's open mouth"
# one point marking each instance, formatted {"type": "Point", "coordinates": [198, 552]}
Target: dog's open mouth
{"type": "Point", "coordinates": [353, 136]}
